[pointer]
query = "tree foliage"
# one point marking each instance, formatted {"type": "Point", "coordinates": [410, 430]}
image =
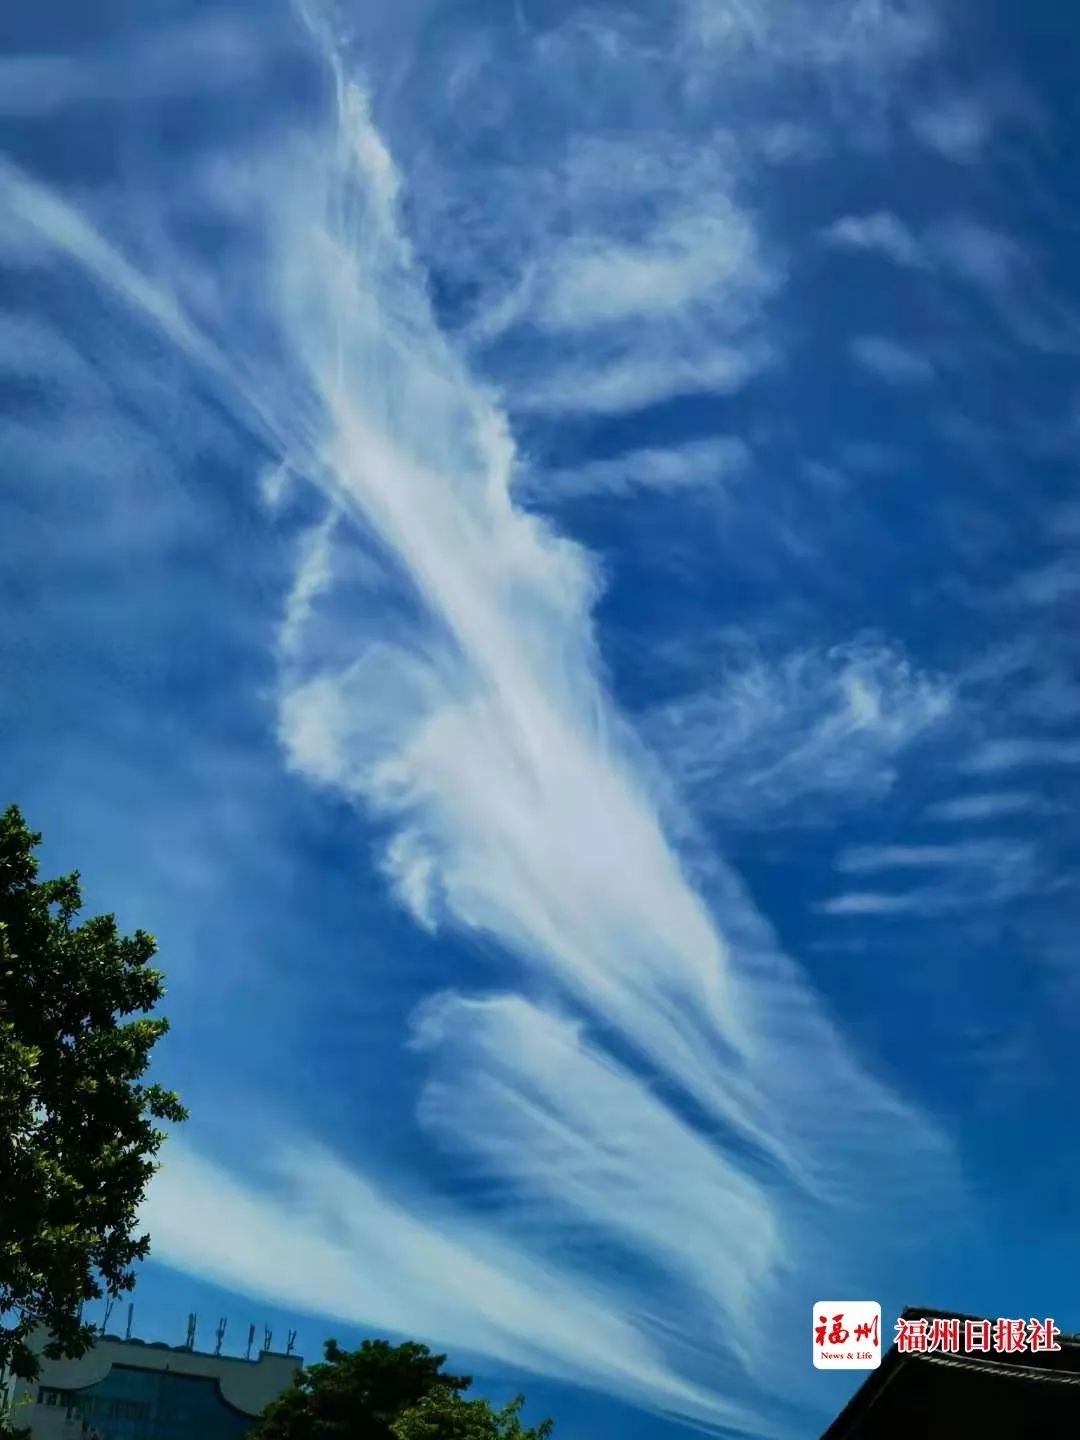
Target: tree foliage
{"type": "Point", "coordinates": [356, 1394]}
{"type": "Point", "coordinates": [445, 1415]}
{"type": "Point", "coordinates": [77, 1124]}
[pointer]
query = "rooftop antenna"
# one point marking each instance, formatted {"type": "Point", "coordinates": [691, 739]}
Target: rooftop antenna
{"type": "Point", "coordinates": [268, 1336]}
{"type": "Point", "coordinates": [251, 1341]}
{"type": "Point", "coordinates": [291, 1346]}
{"type": "Point", "coordinates": [109, 1303]}
{"type": "Point", "coordinates": [220, 1334]}
{"type": "Point", "coordinates": [127, 1328]}
{"type": "Point", "coordinates": [192, 1321]}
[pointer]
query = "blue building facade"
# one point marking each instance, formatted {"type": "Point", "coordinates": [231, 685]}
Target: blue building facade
{"type": "Point", "coordinates": [131, 1404]}
{"type": "Point", "coordinates": [129, 1390]}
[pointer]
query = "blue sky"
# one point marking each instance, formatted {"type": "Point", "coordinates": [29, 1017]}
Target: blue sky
{"type": "Point", "coordinates": [542, 545]}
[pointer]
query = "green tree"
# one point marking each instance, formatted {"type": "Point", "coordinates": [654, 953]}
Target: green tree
{"type": "Point", "coordinates": [356, 1394]}
{"type": "Point", "coordinates": [8, 1416]}
{"type": "Point", "coordinates": [77, 1124]}
{"type": "Point", "coordinates": [445, 1415]}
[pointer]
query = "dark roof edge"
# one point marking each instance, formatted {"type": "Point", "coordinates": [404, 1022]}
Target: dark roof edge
{"type": "Point", "coordinates": [867, 1395]}
{"type": "Point", "coordinates": [892, 1364]}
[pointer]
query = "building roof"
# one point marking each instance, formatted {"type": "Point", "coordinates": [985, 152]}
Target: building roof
{"type": "Point", "coordinates": [245, 1385]}
{"type": "Point", "coordinates": [1006, 1397]}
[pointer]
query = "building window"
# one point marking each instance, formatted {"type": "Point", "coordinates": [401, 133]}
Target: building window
{"type": "Point", "coordinates": [135, 1404]}
{"type": "Point", "coordinates": [50, 1395]}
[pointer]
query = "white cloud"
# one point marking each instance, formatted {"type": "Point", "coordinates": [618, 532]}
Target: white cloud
{"type": "Point", "coordinates": [974, 252]}
{"type": "Point", "coordinates": [638, 379]}
{"type": "Point", "coordinates": [788, 738]}
{"type": "Point", "coordinates": [274, 485]}
{"type": "Point", "coordinates": [890, 361]}
{"type": "Point", "coordinates": [977, 253]}
{"type": "Point", "coordinates": [1023, 752]}
{"type": "Point", "coordinates": [624, 264]}
{"type": "Point", "coordinates": [864, 38]}
{"type": "Point", "coordinates": [879, 233]}
{"type": "Point", "coordinates": [521, 1091]}
{"type": "Point", "coordinates": [42, 227]}
{"type": "Point", "coordinates": [314, 573]}
{"type": "Point", "coordinates": [926, 901]}
{"type": "Point", "coordinates": [697, 465]}
{"type": "Point", "coordinates": [876, 902]}
{"type": "Point", "coordinates": [957, 127]}
{"type": "Point", "coordinates": [1001, 270]}
{"type": "Point", "coordinates": [992, 805]}
{"type": "Point", "coordinates": [971, 875]}
{"type": "Point", "coordinates": [974, 854]}
{"type": "Point", "coordinates": [646, 313]}
{"type": "Point", "coordinates": [713, 253]}
{"type": "Point", "coordinates": [412, 873]}
{"type": "Point", "coordinates": [345, 1248]}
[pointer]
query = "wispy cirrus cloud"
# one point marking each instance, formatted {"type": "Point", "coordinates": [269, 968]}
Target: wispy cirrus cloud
{"type": "Point", "coordinates": [861, 37]}
{"type": "Point", "coordinates": [347, 1248]}
{"type": "Point", "coordinates": [965, 855]}
{"type": "Point", "coordinates": [953, 877]}
{"type": "Point", "coordinates": [620, 270]}
{"type": "Point", "coordinates": [891, 361]}
{"type": "Point", "coordinates": [1022, 752]}
{"type": "Point", "coordinates": [1002, 270]}
{"type": "Point", "coordinates": [507, 1069]}
{"type": "Point", "coordinates": [989, 805]}
{"type": "Point", "coordinates": [880, 233]}
{"type": "Point", "coordinates": [627, 378]}
{"type": "Point", "coordinates": [652, 310]}
{"type": "Point", "coordinates": [592, 281]}
{"type": "Point", "coordinates": [314, 573]}
{"type": "Point", "coordinates": [770, 737]}
{"type": "Point", "coordinates": [978, 253]}
{"type": "Point", "coordinates": [958, 127]}
{"type": "Point", "coordinates": [548, 1116]}
{"type": "Point", "coordinates": [696, 465]}
{"type": "Point", "coordinates": [971, 250]}
{"type": "Point", "coordinates": [961, 125]}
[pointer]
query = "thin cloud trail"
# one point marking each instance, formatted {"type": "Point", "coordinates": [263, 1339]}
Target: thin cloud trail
{"type": "Point", "coordinates": [64, 230]}
{"type": "Point", "coordinates": [506, 1068]}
